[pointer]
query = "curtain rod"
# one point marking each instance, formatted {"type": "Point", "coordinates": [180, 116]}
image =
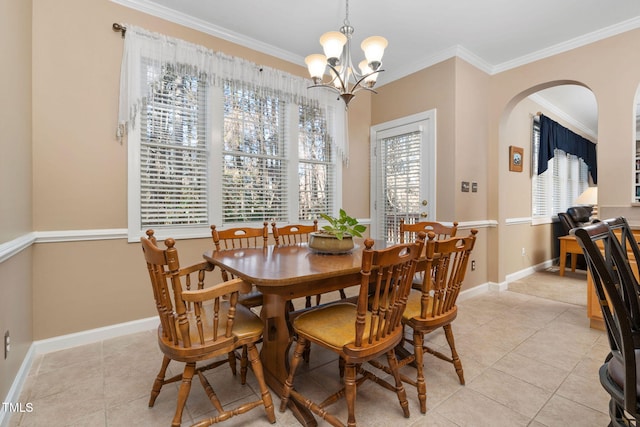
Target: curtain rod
{"type": "Point", "coordinates": [119, 28]}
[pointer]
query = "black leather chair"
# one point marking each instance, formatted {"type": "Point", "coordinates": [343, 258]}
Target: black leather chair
{"type": "Point", "coordinates": [576, 216]}
{"type": "Point", "coordinates": [581, 215]}
{"type": "Point", "coordinates": [616, 290]}
{"type": "Point", "coordinates": [567, 222]}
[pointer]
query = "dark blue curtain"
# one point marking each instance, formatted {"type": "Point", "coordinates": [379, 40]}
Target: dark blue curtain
{"type": "Point", "coordinates": [553, 135]}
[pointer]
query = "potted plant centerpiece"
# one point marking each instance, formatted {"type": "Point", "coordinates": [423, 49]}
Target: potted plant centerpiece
{"type": "Point", "coordinates": [337, 236]}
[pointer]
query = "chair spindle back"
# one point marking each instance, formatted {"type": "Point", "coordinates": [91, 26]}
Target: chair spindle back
{"type": "Point", "coordinates": [389, 274]}
{"type": "Point", "coordinates": [447, 261]}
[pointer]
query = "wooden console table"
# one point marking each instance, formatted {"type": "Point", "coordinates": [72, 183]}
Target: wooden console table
{"type": "Point", "coordinates": [596, 321]}
{"type": "Point", "coordinates": [568, 245]}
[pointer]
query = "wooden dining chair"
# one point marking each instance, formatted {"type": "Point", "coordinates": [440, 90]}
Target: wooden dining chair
{"type": "Point", "coordinates": [360, 333]}
{"type": "Point", "coordinates": [241, 237]}
{"type": "Point", "coordinates": [293, 234]}
{"type": "Point", "coordinates": [199, 324]}
{"type": "Point", "coordinates": [622, 231]}
{"type": "Point", "coordinates": [617, 291]}
{"type": "Point", "coordinates": [409, 232]}
{"type": "Point", "coordinates": [434, 305]}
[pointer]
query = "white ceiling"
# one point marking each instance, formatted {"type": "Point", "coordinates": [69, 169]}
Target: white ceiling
{"type": "Point", "coordinates": [493, 35]}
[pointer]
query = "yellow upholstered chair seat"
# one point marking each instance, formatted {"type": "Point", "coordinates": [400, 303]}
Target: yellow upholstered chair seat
{"type": "Point", "coordinates": [414, 305]}
{"type": "Point", "coordinates": [338, 333]}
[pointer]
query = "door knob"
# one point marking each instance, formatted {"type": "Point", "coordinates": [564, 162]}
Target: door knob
{"type": "Point", "coordinates": [424, 203]}
{"type": "Point", "coordinates": [423, 214]}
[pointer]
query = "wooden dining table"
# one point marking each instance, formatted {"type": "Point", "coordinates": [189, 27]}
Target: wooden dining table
{"type": "Point", "coordinates": [283, 273]}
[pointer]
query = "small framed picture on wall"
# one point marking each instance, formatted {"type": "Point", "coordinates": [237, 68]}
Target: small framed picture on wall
{"type": "Point", "coordinates": [516, 158]}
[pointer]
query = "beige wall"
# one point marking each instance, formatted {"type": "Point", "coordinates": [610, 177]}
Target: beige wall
{"type": "Point", "coordinates": [15, 124]}
{"type": "Point", "coordinates": [67, 113]}
{"type": "Point", "coordinates": [15, 183]}
{"type": "Point", "coordinates": [609, 69]}
{"type": "Point", "coordinates": [425, 90]}
{"type": "Point", "coordinates": [459, 94]}
{"type": "Point", "coordinates": [80, 170]}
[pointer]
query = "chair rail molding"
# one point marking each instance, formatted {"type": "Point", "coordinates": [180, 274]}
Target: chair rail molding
{"type": "Point", "coordinates": [80, 235]}
{"type": "Point", "coordinates": [514, 221]}
{"type": "Point", "coordinates": [15, 246]}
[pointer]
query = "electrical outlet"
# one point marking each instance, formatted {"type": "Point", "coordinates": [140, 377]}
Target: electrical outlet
{"type": "Point", "coordinates": [473, 264]}
{"type": "Point", "coordinates": [7, 344]}
{"type": "Point", "coordinates": [524, 252]}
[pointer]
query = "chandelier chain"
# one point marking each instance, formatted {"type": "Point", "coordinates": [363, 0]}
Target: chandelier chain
{"type": "Point", "coordinates": [346, 16]}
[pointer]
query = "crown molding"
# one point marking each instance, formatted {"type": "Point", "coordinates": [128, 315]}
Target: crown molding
{"type": "Point", "coordinates": [574, 43]}
{"type": "Point", "coordinates": [177, 17]}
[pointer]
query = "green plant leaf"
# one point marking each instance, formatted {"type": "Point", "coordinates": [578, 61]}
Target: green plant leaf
{"type": "Point", "coordinates": [342, 225]}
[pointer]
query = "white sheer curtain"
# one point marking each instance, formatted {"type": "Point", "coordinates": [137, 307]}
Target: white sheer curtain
{"type": "Point", "coordinates": [214, 67]}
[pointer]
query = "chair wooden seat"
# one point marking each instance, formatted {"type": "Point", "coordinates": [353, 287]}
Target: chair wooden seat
{"type": "Point", "coordinates": [201, 324]}
{"type": "Point", "coordinates": [360, 333]}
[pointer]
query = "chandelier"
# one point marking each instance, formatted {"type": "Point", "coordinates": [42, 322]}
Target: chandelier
{"type": "Point", "coordinates": [343, 76]}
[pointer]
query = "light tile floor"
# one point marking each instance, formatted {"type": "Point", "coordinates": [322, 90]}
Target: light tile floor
{"type": "Point", "coordinates": [527, 361]}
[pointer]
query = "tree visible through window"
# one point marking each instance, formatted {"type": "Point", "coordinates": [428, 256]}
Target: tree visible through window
{"type": "Point", "coordinates": [315, 167]}
{"type": "Point", "coordinates": [254, 162]}
{"type": "Point", "coordinates": [186, 181]}
{"type": "Point", "coordinates": [173, 150]}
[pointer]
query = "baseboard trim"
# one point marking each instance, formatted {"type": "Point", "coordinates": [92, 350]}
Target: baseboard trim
{"type": "Point", "coordinates": [13, 395]}
{"type": "Point", "coordinates": [527, 272]}
{"type": "Point", "coordinates": [94, 335]}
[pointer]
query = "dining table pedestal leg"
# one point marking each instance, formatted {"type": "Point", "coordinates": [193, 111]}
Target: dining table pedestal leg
{"type": "Point", "coordinates": [275, 349]}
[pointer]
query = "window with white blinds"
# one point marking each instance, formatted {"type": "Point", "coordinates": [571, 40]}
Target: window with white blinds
{"type": "Point", "coordinates": [316, 170]}
{"type": "Point", "coordinates": [254, 162]}
{"type": "Point", "coordinates": [400, 172]}
{"type": "Point", "coordinates": [556, 189]}
{"type": "Point", "coordinates": [225, 155]}
{"type": "Point", "coordinates": [173, 151]}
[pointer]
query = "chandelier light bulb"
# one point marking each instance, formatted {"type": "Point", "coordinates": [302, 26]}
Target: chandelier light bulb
{"type": "Point", "coordinates": [332, 43]}
{"type": "Point", "coordinates": [373, 48]}
{"type": "Point", "coordinates": [369, 76]}
{"type": "Point", "coordinates": [316, 64]}
{"type": "Point", "coordinates": [337, 76]}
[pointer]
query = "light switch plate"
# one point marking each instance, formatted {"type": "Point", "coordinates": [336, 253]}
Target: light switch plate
{"type": "Point", "coordinates": [464, 187]}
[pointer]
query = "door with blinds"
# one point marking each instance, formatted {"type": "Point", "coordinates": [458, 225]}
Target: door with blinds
{"type": "Point", "coordinates": [403, 174]}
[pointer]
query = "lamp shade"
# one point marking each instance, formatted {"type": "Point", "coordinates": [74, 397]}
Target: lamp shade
{"type": "Point", "coordinates": [373, 48]}
{"type": "Point", "coordinates": [588, 197]}
{"type": "Point", "coordinates": [370, 76]}
{"type": "Point", "coordinates": [316, 65]}
{"type": "Point", "coordinates": [332, 44]}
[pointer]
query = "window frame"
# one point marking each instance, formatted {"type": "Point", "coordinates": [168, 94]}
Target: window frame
{"type": "Point", "coordinates": [550, 176]}
{"type": "Point", "coordinates": [214, 141]}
